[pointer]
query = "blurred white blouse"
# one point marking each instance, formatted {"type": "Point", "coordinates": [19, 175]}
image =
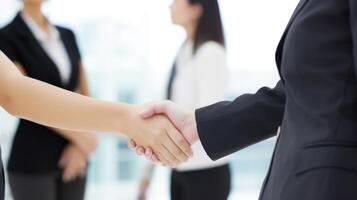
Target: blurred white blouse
{"type": "Point", "coordinates": [52, 44]}
{"type": "Point", "coordinates": [200, 81]}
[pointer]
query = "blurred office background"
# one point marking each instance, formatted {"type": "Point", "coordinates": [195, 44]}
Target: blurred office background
{"type": "Point", "coordinates": [128, 48]}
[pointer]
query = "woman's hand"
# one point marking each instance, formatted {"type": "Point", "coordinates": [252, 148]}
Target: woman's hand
{"type": "Point", "coordinates": [161, 136]}
{"type": "Point", "coordinates": [73, 162]}
{"type": "Point", "coordinates": [184, 120]}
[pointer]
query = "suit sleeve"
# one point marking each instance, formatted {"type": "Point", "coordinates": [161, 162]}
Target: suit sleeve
{"type": "Point", "coordinates": [227, 127]}
{"type": "Point", "coordinates": [353, 22]}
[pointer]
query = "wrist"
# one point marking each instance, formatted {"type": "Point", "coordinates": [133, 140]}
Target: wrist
{"type": "Point", "coordinates": [127, 119]}
{"type": "Point", "coordinates": [191, 128]}
{"type": "Point", "coordinates": [75, 138]}
{"type": "Point", "coordinates": [72, 137]}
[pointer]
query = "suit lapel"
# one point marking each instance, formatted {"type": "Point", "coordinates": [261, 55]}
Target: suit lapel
{"type": "Point", "coordinates": [72, 82]}
{"type": "Point", "coordinates": [26, 35]}
{"type": "Point", "coordinates": [279, 51]}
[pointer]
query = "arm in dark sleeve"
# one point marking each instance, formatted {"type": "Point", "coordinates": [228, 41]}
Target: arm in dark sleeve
{"type": "Point", "coordinates": [353, 22]}
{"type": "Point", "coordinates": [227, 127]}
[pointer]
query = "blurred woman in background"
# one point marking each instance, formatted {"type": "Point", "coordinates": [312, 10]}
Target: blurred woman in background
{"type": "Point", "coordinates": [46, 163]}
{"type": "Point", "coordinates": [198, 78]}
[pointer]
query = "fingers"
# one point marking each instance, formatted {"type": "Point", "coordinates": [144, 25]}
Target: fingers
{"type": "Point", "coordinates": [148, 153]}
{"type": "Point", "coordinates": [173, 152]}
{"type": "Point", "coordinates": [73, 163]}
{"type": "Point", "coordinates": [69, 173]}
{"type": "Point", "coordinates": [163, 160]}
{"type": "Point", "coordinates": [154, 159]}
{"type": "Point", "coordinates": [160, 142]}
{"type": "Point", "coordinates": [76, 168]}
{"type": "Point", "coordinates": [177, 156]}
{"type": "Point", "coordinates": [82, 168]}
{"type": "Point", "coordinates": [181, 142]}
{"type": "Point", "coordinates": [140, 151]}
{"type": "Point", "coordinates": [172, 159]}
{"type": "Point", "coordinates": [131, 144]}
{"type": "Point", "coordinates": [167, 158]}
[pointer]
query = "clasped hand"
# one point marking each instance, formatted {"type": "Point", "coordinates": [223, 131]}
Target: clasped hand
{"type": "Point", "coordinates": [176, 132]}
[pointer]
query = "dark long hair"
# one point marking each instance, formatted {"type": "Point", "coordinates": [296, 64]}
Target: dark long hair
{"type": "Point", "coordinates": [210, 26]}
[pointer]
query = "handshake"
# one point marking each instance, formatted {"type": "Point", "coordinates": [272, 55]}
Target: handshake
{"type": "Point", "coordinates": [165, 133]}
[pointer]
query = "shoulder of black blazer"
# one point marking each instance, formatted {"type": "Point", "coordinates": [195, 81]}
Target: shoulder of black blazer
{"type": "Point", "coordinates": [16, 32]}
{"type": "Point", "coordinates": [18, 28]}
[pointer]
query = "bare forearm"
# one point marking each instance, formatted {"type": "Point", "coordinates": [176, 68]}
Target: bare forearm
{"type": "Point", "coordinates": [46, 104]}
{"type": "Point", "coordinates": [83, 89]}
{"type": "Point", "coordinates": [42, 103]}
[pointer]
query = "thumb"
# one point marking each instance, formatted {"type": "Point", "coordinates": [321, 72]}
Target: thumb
{"type": "Point", "coordinates": [147, 113]}
{"type": "Point", "coordinates": [159, 108]}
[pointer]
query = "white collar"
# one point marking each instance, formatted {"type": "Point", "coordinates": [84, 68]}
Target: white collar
{"type": "Point", "coordinates": [39, 34]}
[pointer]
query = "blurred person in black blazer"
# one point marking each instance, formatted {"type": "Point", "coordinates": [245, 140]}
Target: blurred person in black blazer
{"type": "Point", "coordinates": [46, 163]}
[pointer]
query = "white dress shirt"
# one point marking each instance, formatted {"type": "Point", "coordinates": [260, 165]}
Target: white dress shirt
{"type": "Point", "coordinates": [52, 44]}
{"type": "Point", "coordinates": [200, 81]}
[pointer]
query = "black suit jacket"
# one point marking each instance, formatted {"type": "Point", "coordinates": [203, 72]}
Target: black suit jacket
{"type": "Point", "coordinates": [315, 103]}
{"type": "Point", "coordinates": [36, 148]}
